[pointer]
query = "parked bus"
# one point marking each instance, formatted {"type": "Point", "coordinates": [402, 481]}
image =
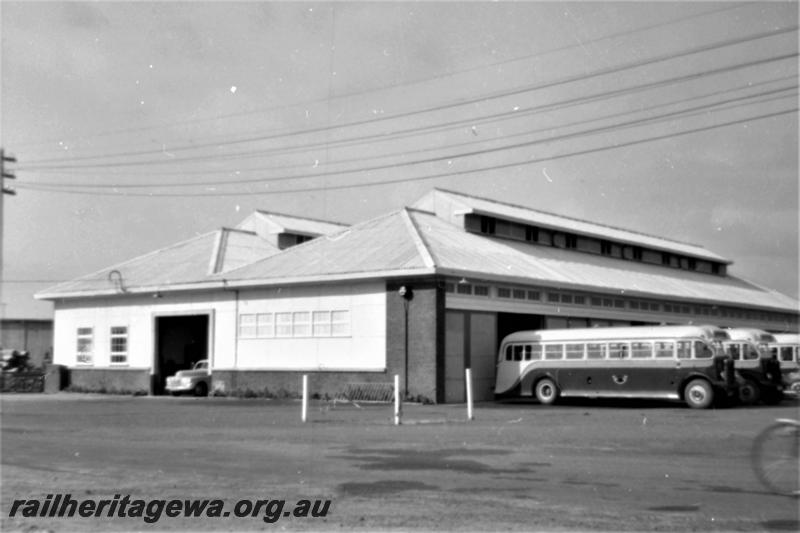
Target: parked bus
{"type": "Point", "coordinates": [786, 349]}
{"type": "Point", "coordinates": [758, 371]}
{"type": "Point", "coordinates": [685, 363]}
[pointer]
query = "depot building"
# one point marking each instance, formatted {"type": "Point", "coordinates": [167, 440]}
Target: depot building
{"type": "Point", "coordinates": [423, 292]}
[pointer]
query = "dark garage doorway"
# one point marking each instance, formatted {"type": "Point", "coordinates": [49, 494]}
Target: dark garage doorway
{"type": "Point", "coordinates": [508, 323]}
{"type": "Point", "coordinates": [181, 341]}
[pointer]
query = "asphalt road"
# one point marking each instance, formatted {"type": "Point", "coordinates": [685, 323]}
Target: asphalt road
{"type": "Point", "coordinates": [520, 466]}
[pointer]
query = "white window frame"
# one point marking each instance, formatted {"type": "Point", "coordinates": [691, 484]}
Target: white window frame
{"type": "Point", "coordinates": [340, 323]}
{"type": "Point", "coordinates": [85, 357]}
{"type": "Point", "coordinates": [117, 336]}
{"type": "Point", "coordinates": [247, 326]}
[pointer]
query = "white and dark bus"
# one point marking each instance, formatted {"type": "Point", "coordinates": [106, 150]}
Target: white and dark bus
{"type": "Point", "coordinates": [686, 363]}
{"type": "Point", "coordinates": [786, 349]}
{"type": "Point", "coordinates": [758, 372]}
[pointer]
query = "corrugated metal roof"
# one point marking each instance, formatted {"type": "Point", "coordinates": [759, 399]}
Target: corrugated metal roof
{"type": "Point", "coordinates": [455, 250]}
{"type": "Point", "coordinates": [382, 244]}
{"type": "Point", "coordinates": [438, 199]}
{"type": "Point", "coordinates": [408, 242]}
{"type": "Point", "coordinates": [183, 262]}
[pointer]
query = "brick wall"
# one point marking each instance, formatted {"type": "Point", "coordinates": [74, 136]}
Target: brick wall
{"type": "Point", "coordinates": [425, 336]}
{"type": "Point", "coordinates": [110, 380]}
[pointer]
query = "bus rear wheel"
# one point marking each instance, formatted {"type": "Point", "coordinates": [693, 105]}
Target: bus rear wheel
{"type": "Point", "coordinates": [698, 394]}
{"type": "Point", "coordinates": [546, 391]}
{"type": "Point", "coordinates": [749, 393]}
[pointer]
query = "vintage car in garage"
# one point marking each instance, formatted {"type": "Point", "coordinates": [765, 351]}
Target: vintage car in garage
{"type": "Point", "coordinates": [196, 381]}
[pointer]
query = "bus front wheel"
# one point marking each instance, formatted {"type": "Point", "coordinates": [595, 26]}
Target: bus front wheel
{"type": "Point", "coordinates": [546, 391]}
{"type": "Point", "coordinates": [698, 394]}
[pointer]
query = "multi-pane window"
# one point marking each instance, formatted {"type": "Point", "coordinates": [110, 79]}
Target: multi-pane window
{"type": "Point", "coordinates": [247, 326]}
{"type": "Point", "coordinates": [283, 324]}
{"type": "Point", "coordinates": [85, 346]}
{"type": "Point", "coordinates": [641, 350]}
{"type": "Point", "coordinates": [518, 294]}
{"type": "Point", "coordinates": [481, 290]}
{"type": "Point", "coordinates": [119, 344]}
{"type": "Point", "coordinates": [574, 351]}
{"type": "Point", "coordinates": [595, 351]}
{"type": "Point", "coordinates": [301, 324]}
{"type": "Point", "coordinates": [322, 323]}
{"type": "Point", "coordinates": [665, 349]}
{"type": "Point", "coordinates": [340, 323]}
{"type": "Point", "coordinates": [553, 351]}
{"type": "Point", "coordinates": [464, 288]}
{"type": "Point", "coordinates": [503, 292]}
{"type": "Point", "coordinates": [265, 325]}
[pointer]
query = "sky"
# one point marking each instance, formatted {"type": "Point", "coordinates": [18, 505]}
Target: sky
{"type": "Point", "coordinates": [136, 125]}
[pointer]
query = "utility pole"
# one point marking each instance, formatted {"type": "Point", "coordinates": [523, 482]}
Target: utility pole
{"type": "Point", "coordinates": [4, 175]}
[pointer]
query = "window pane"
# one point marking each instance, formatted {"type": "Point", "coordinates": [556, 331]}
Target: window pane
{"type": "Point", "coordinates": [553, 351]}
{"type": "Point", "coordinates": [518, 352]}
{"type": "Point", "coordinates": [618, 350]}
{"type": "Point", "coordinates": [702, 350]}
{"type": "Point", "coordinates": [665, 349]}
{"type": "Point", "coordinates": [786, 353]}
{"type": "Point", "coordinates": [247, 326]}
{"type": "Point", "coordinates": [509, 353]}
{"type": "Point", "coordinates": [322, 323]}
{"type": "Point", "coordinates": [283, 324]}
{"type": "Point", "coordinates": [595, 351]}
{"type": "Point", "coordinates": [684, 349]}
{"type": "Point", "coordinates": [302, 324]}
{"type": "Point", "coordinates": [265, 325]}
{"type": "Point", "coordinates": [340, 323]}
{"type": "Point", "coordinates": [641, 350]}
{"type": "Point", "coordinates": [574, 351]}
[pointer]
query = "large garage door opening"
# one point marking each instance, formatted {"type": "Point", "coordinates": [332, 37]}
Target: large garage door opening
{"type": "Point", "coordinates": [181, 341]}
{"type": "Point", "coordinates": [471, 341]}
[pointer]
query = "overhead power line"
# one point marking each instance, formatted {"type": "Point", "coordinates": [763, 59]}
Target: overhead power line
{"type": "Point", "coordinates": [683, 113]}
{"type": "Point", "coordinates": [451, 74]}
{"type": "Point", "coordinates": [434, 176]}
{"type": "Point", "coordinates": [440, 107]}
{"type": "Point", "coordinates": [403, 133]}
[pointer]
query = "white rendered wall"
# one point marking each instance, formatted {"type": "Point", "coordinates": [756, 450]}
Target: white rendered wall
{"type": "Point", "coordinates": [363, 349]}
{"type": "Point", "coordinates": [138, 314]}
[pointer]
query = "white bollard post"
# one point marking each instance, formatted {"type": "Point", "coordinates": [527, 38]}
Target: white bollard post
{"type": "Point", "coordinates": [305, 397]}
{"type": "Point", "coordinates": [468, 373]}
{"type": "Point", "coordinates": [396, 400]}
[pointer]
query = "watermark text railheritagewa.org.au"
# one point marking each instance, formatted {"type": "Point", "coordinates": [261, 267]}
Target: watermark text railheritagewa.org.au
{"type": "Point", "coordinates": [153, 510]}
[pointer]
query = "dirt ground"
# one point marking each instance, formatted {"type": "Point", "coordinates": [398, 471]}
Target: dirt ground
{"type": "Point", "coordinates": [517, 466]}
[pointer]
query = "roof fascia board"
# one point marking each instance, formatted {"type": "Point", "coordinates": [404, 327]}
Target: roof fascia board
{"type": "Point", "coordinates": [243, 284]}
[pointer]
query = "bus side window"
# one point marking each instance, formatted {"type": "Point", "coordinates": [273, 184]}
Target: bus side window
{"type": "Point", "coordinates": [528, 348]}
{"type": "Point", "coordinates": [641, 350]}
{"type": "Point", "coordinates": [684, 350]}
{"type": "Point", "coordinates": [617, 350]}
{"type": "Point", "coordinates": [518, 352]}
{"type": "Point", "coordinates": [786, 353]}
{"type": "Point", "coordinates": [595, 351]}
{"type": "Point", "coordinates": [574, 351]}
{"type": "Point", "coordinates": [553, 351]}
{"type": "Point", "coordinates": [702, 350]}
{"type": "Point", "coordinates": [749, 352]}
{"type": "Point", "coordinates": [733, 351]}
{"type": "Point", "coordinates": [508, 353]}
{"type": "Point", "coordinates": [665, 349]}
{"type": "Point", "coordinates": [536, 352]}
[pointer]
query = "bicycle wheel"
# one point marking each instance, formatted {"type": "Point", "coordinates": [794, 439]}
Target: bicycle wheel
{"type": "Point", "coordinates": [776, 458]}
